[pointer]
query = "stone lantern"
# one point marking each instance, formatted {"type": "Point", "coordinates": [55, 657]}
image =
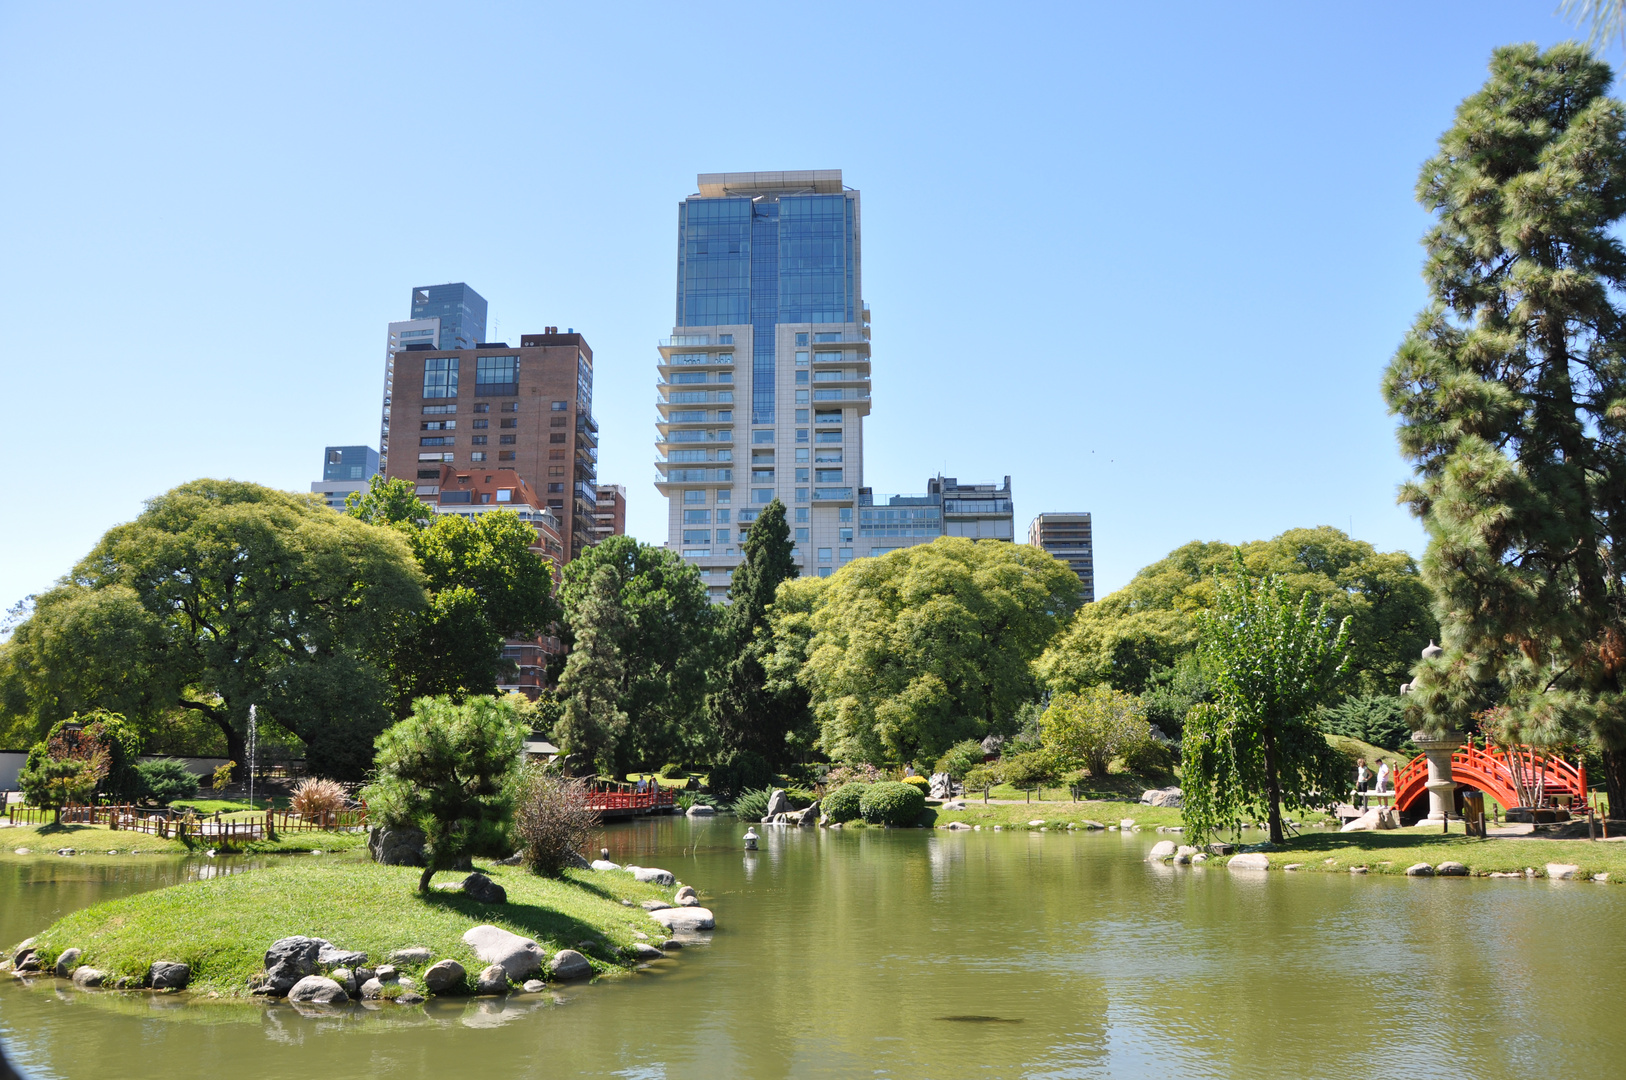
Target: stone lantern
{"type": "Point", "coordinates": [1437, 750]}
{"type": "Point", "coordinates": [751, 839]}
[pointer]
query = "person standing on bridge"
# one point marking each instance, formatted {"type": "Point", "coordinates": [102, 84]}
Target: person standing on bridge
{"type": "Point", "coordinates": [1362, 778]}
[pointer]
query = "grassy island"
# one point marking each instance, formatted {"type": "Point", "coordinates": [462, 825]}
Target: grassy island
{"type": "Point", "coordinates": [222, 926]}
{"type": "Point", "coordinates": [41, 840]}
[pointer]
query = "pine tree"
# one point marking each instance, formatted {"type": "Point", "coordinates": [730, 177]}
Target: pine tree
{"type": "Point", "coordinates": [749, 713]}
{"type": "Point", "coordinates": [1511, 393]}
{"type": "Point", "coordinates": [590, 687]}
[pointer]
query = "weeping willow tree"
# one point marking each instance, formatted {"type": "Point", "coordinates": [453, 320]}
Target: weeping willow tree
{"type": "Point", "coordinates": [1511, 394]}
{"type": "Point", "coordinates": [1256, 748]}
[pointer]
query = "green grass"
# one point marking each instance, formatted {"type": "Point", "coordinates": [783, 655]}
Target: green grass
{"type": "Point", "coordinates": [1390, 852]}
{"type": "Point", "coordinates": [44, 840]}
{"type": "Point", "coordinates": [1057, 814]}
{"type": "Point", "coordinates": [222, 926]}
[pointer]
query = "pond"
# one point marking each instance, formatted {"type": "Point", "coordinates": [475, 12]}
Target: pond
{"type": "Point", "coordinates": [916, 953]}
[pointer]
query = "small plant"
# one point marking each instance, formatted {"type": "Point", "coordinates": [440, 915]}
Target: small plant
{"type": "Point", "coordinates": [961, 758]}
{"type": "Point", "coordinates": [553, 819]}
{"type": "Point", "coordinates": [221, 779]}
{"type": "Point", "coordinates": [752, 804]}
{"type": "Point", "coordinates": [918, 781]}
{"type": "Point", "coordinates": [314, 798]}
{"type": "Point", "coordinates": [687, 799]}
{"type": "Point", "coordinates": [1028, 770]}
{"type": "Point", "coordinates": [892, 804]}
{"type": "Point", "coordinates": [843, 804]}
{"type": "Point", "coordinates": [165, 780]}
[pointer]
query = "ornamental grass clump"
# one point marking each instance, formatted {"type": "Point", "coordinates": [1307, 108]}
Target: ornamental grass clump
{"type": "Point", "coordinates": [752, 804]}
{"type": "Point", "coordinates": [553, 819]}
{"type": "Point", "coordinates": [892, 803]}
{"type": "Point", "coordinates": [843, 804]}
{"type": "Point", "coordinates": [315, 798]}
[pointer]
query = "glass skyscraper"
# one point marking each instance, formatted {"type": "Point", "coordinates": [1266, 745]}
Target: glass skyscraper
{"type": "Point", "coordinates": [769, 307]}
{"type": "Point", "coordinates": [461, 311]}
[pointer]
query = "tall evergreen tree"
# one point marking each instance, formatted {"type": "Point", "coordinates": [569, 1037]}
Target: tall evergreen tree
{"type": "Point", "coordinates": [592, 722]}
{"type": "Point", "coordinates": [749, 713]}
{"type": "Point", "coordinates": [1511, 393]}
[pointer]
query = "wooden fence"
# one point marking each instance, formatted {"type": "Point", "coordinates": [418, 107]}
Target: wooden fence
{"type": "Point", "coordinates": [216, 827]}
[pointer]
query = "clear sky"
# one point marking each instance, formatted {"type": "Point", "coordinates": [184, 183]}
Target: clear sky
{"type": "Point", "coordinates": [1149, 260]}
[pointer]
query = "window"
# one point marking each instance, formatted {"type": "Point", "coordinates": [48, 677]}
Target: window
{"type": "Point", "coordinates": [845, 554]}
{"type": "Point", "coordinates": [801, 339]}
{"type": "Point", "coordinates": [846, 536]}
{"type": "Point", "coordinates": [826, 571]}
{"type": "Point", "coordinates": [481, 424]}
{"type": "Point", "coordinates": [496, 374]}
{"type": "Point", "coordinates": [505, 455]}
{"type": "Point", "coordinates": [694, 495]}
{"type": "Point", "coordinates": [722, 515]}
{"type": "Point", "coordinates": [828, 476]}
{"type": "Point", "coordinates": [428, 474]}
{"type": "Point", "coordinates": [432, 410]}
{"type": "Point", "coordinates": [801, 379]}
{"type": "Point", "coordinates": [828, 437]}
{"type": "Point", "coordinates": [507, 440]}
{"type": "Point", "coordinates": [559, 437]}
{"type": "Point", "coordinates": [556, 489]}
{"type": "Point", "coordinates": [682, 377]}
{"type": "Point", "coordinates": [505, 494]}
{"type": "Point", "coordinates": [478, 455]}
{"type": "Point", "coordinates": [762, 436]}
{"type": "Point", "coordinates": [556, 470]}
{"type": "Point", "coordinates": [478, 440]}
{"type": "Point", "coordinates": [801, 494]}
{"type": "Point", "coordinates": [801, 534]}
{"type": "Point", "coordinates": [556, 455]}
{"type": "Point", "coordinates": [725, 455]}
{"type": "Point", "coordinates": [827, 357]}
{"type": "Point", "coordinates": [725, 495]}
{"type": "Point", "coordinates": [802, 399]}
{"type": "Point", "coordinates": [696, 553]}
{"type": "Point", "coordinates": [514, 423]}
{"type": "Point", "coordinates": [556, 421]}
{"type": "Point", "coordinates": [697, 536]}
{"type": "Point", "coordinates": [801, 455]}
{"type": "Point", "coordinates": [697, 517]}
{"type": "Point", "coordinates": [725, 415]}
{"type": "Point", "coordinates": [761, 476]}
{"type": "Point", "coordinates": [822, 416]}
{"type": "Point", "coordinates": [436, 440]}
{"type": "Point", "coordinates": [480, 407]}
{"type": "Point", "coordinates": [560, 406]}
{"type": "Point", "coordinates": [824, 554]}
{"type": "Point", "coordinates": [761, 495]}
{"type": "Point", "coordinates": [845, 513]}
{"type": "Point", "coordinates": [725, 339]}
{"type": "Point", "coordinates": [801, 476]}
{"type": "Point", "coordinates": [435, 425]}
{"type": "Point", "coordinates": [801, 358]}
{"type": "Point", "coordinates": [440, 377]}
{"type": "Point", "coordinates": [801, 513]}
{"type": "Point", "coordinates": [824, 456]}
{"type": "Point", "coordinates": [724, 535]}
{"type": "Point", "coordinates": [801, 435]}
{"type": "Point", "coordinates": [826, 336]}
{"type": "Point", "coordinates": [510, 406]}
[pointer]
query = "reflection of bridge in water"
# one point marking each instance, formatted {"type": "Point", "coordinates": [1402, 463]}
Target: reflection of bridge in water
{"type": "Point", "coordinates": [1488, 769]}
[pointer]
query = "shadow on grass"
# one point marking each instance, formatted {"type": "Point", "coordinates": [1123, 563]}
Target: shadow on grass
{"type": "Point", "coordinates": [1375, 841]}
{"type": "Point", "coordinates": [534, 920]}
{"type": "Point", "coordinates": [592, 887]}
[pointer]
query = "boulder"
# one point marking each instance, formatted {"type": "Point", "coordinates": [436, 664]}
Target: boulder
{"type": "Point", "coordinates": [345, 978]}
{"type": "Point", "coordinates": [654, 905]}
{"type": "Point", "coordinates": [1126, 823]}
{"type": "Point", "coordinates": [604, 864]}
{"type": "Point", "coordinates": [168, 975]}
{"type": "Point", "coordinates": [1451, 869]}
{"type": "Point", "coordinates": [483, 889]}
{"type": "Point", "coordinates": [24, 949]}
{"type": "Point", "coordinates": [1294, 866]}
{"type": "Point", "coordinates": [519, 956]}
{"type": "Point", "coordinates": [85, 975]}
{"type": "Point", "coordinates": [956, 826]}
{"type": "Point", "coordinates": [1253, 860]}
{"type": "Point", "coordinates": [641, 951]}
{"type": "Point", "coordinates": [372, 990]}
{"type": "Point", "coordinates": [290, 959]}
{"type": "Point", "coordinates": [685, 918]}
{"type": "Point", "coordinates": [66, 961]}
{"type": "Point", "coordinates": [1220, 847]}
{"type": "Point", "coordinates": [778, 803]}
{"type": "Point", "coordinates": [653, 875]}
{"type": "Point", "coordinates": [1421, 869]}
{"type": "Point", "coordinates": [493, 980]}
{"type": "Point", "coordinates": [1185, 849]}
{"type": "Point", "coordinates": [1357, 869]}
{"type": "Point", "coordinates": [412, 954]}
{"type": "Point", "coordinates": [1558, 871]}
{"type": "Point", "coordinates": [443, 976]}
{"type": "Point", "coordinates": [1182, 858]}
{"type": "Point", "coordinates": [516, 858]}
{"type": "Point", "coordinates": [1036, 822]}
{"type": "Point", "coordinates": [569, 964]}
{"type": "Point", "coordinates": [810, 815]}
{"type": "Point", "coordinates": [700, 810]}
{"type": "Point", "coordinates": [1168, 796]}
{"type": "Point", "coordinates": [409, 997]}
{"type": "Point", "coordinates": [575, 861]}
{"type": "Point", "coordinates": [1200, 857]}
{"type": "Point", "coordinates": [940, 785]}
{"type": "Point", "coordinates": [396, 847]}
{"type": "Point", "coordinates": [1379, 817]}
{"type": "Point", "coordinates": [1088, 824]}
{"type": "Point", "coordinates": [330, 957]}
{"type": "Point", "coordinates": [318, 989]}
{"type": "Point", "coordinates": [386, 973]}
{"type": "Point", "coordinates": [1160, 851]}
{"type": "Point", "coordinates": [671, 943]}
{"type": "Point", "coordinates": [685, 892]}
{"type": "Point", "coordinates": [534, 986]}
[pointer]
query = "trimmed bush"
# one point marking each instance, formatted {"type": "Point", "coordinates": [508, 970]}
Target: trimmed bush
{"type": "Point", "coordinates": [892, 804]}
{"type": "Point", "coordinates": [961, 758]}
{"type": "Point", "coordinates": [918, 781]}
{"type": "Point", "coordinates": [1028, 770]}
{"type": "Point", "coordinates": [843, 804]}
{"type": "Point", "coordinates": [671, 772]}
{"type": "Point", "coordinates": [165, 780]}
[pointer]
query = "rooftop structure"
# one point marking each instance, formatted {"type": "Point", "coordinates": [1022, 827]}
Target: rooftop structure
{"type": "Point", "coordinates": [345, 469]}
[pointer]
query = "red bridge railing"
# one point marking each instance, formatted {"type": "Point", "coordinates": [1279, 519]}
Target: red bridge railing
{"type": "Point", "coordinates": [613, 796]}
{"type": "Point", "coordinates": [1488, 769]}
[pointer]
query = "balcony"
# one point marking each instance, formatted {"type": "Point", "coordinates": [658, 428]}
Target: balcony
{"type": "Point", "coordinates": [684, 340]}
{"type": "Point", "coordinates": [832, 494]}
{"type": "Point", "coordinates": [822, 395]}
{"type": "Point", "coordinates": [683, 398]}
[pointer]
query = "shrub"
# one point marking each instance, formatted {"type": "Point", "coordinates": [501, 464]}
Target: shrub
{"type": "Point", "coordinates": [983, 776]}
{"type": "Point", "coordinates": [752, 804]}
{"type": "Point", "coordinates": [165, 780]}
{"type": "Point", "coordinates": [552, 819]}
{"type": "Point", "coordinates": [1029, 769]}
{"type": "Point", "coordinates": [843, 804]}
{"type": "Point", "coordinates": [799, 798]}
{"type": "Point", "coordinates": [686, 799]}
{"type": "Point", "coordinates": [737, 772]}
{"type": "Point", "coordinates": [892, 804]}
{"type": "Point", "coordinates": [852, 774]}
{"type": "Point", "coordinates": [315, 797]}
{"type": "Point", "coordinates": [48, 781]}
{"type": "Point", "coordinates": [1150, 758]}
{"type": "Point", "coordinates": [1093, 727]}
{"type": "Point", "coordinates": [671, 772]}
{"type": "Point", "coordinates": [918, 781]}
{"type": "Point", "coordinates": [960, 758]}
{"type": "Point", "coordinates": [221, 780]}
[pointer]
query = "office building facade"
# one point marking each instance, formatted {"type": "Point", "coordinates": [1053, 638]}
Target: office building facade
{"type": "Point", "coordinates": [345, 469]}
{"type": "Point", "coordinates": [451, 316]}
{"type": "Point", "coordinates": [764, 384]}
{"type": "Point", "coordinates": [1068, 538]}
{"type": "Point", "coordinates": [948, 508]}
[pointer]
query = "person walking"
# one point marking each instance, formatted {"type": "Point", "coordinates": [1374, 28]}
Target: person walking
{"type": "Point", "coordinates": [1362, 779]}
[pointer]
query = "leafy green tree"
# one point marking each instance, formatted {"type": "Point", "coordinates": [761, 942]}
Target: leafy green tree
{"type": "Point", "coordinates": [484, 584]}
{"type": "Point", "coordinates": [591, 723]}
{"type": "Point", "coordinates": [1256, 747]}
{"type": "Point", "coordinates": [1511, 393]}
{"type": "Point", "coordinates": [222, 594]}
{"type": "Point", "coordinates": [445, 770]}
{"type": "Point", "coordinates": [926, 646]}
{"type": "Point", "coordinates": [55, 782]}
{"type": "Point", "coordinates": [1090, 728]}
{"type": "Point", "coordinates": [960, 758]}
{"type": "Point", "coordinates": [663, 636]}
{"type": "Point", "coordinates": [751, 710]}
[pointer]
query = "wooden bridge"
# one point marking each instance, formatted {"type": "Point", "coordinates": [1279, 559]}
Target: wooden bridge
{"type": "Point", "coordinates": [619, 800]}
{"type": "Point", "coordinates": [1487, 769]}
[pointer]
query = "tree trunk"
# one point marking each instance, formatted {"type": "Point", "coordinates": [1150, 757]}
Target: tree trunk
{"type": "Point", "coordinates": [1273, 786]}
{"type": "Point", "coordinates": [236, 749]}
{"type": "Point", "coordinates": [1614, 778]}
{"type": "Point", "coordinates": [428, 872]}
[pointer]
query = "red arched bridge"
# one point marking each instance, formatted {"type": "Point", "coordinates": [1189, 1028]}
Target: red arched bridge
{"type": "Point", "coordinates": [1490, 769]}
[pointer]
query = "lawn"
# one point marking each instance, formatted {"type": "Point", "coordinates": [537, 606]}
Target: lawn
{"type": "Point", "coordinates": [43, 840]}
{"type": "Point", "coordinates": [222, 926]}
{"type": "Point", "coordinates": [1391, 852]}
{"type": "Point", "coordinates": [1056, 814]}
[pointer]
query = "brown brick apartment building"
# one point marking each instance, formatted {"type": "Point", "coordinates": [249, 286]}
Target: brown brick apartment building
{"type": "Point", "coordinates": [494, 407]}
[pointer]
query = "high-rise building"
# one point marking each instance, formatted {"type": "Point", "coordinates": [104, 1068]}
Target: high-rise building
{"type": "Point", "coordinates": [948, 508]}
{"type": "Point", "coordinates": [611, 516]}
{"type": "Point", "coordinates": [345, 469]}
{"type": "Point", "coordinates": [451, 316]}
{"type": "Point", "coordinates": [977, 511]}
{"type": "Point", "coordinates": [496, 408]}
{"type": "Point", "coordinates": [769, 308]}
{"type": "Point", "coordinates": [1067, 537]}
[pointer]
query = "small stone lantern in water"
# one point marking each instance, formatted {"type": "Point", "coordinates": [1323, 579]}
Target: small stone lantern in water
{"type": "Point", "coordinates": [750, 839]}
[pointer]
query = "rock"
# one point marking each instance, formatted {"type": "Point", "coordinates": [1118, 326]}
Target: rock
{"type": "Point", "coordinates": [955, 826]}
{"type": "Point", "coordinates": [516, 858]}
{"type": "Point", "coordinates": [493, 980]}
{"type": "Point", "coordinates": [1182, 858]}
{"type": "Point", "coordinates": [290, 959]}
{"type": "Point", "coordinates": [810, 815]}
{"type": "Point", "coordinates": [671, 943]}
{"type": "Point", "coordinates": [700, 810]}
{"type": "Point", "coordinates": [940, 785]}
{"type": "Point", "coordinates": [520, 957]}
{"type": "Point", "coordinates": [1451, 869]}
{"type": "Point", "coordinates": [22, 851]}
{"type": "Point", "coordinates": [1379, 817]}
{"type": "Point", "coordinates": [386, 973]}
{"type": "Point", "coordinates": [30, 961]}
{"type": "Point", "coordinates": [1160, 851]}
{"type": "Point", "coordinates": [1220, 847]}
{"type": "Point", "coordinates": [1421, 869]}
{"type": "Point", "coordinates": [1169, 796]}
{"type": "Point", "coordinates": [66, 851]}
{"type": "Point", "coordinates": [329, 957]}
{"type": "Point", "coordinates": [640, 951]}
{"type": "Point", "coordinates": [409, 997]}
{"type": "Point", "coordinates": [1357, 869]}
{"type": "Point", "coordinates": [1088, 824]}
{"type": "Point", "coordinates": [1558, 871]}
{"type": "Point", "coordinates": [1127, 823]}
{"type": "Point", "coordinates": [653, 875]}
{"type": "Point", "coordinates": [372, 990]}
{"type": "Point", "coordinates": [1200, 857]}
{"type": "Point", "coordinates": [956, 804]}
{"type": "Point", "coordinates": [318, 989]}
{"type": "Point", "coordinates": [1600, 877]}
{"type": "Point", "coordinates": [345, 978]}
{"type": "Point", "coordinates": [778, 802]}
{"type": "Point", "coordinates": [605, 864]}
{"type": "Point", "coordinates": [168, 975]}
{"type": "Point", "coordinates": [126, 982]}
{"type": "Point", "coordinates": [535, 986]}
{"type": "Point", "coordinates": [443, 976]}
{"type": "Point", "coordinates": [654, 905]}
{"type": "Point", "coordinates": [1254, 860]}
{"type": "Point", "coordinates": [1294, 866]}
{"type": "Point", "coordinates": [1185, 849]}
{"type": "Point", "coordinates": [69, 959]}
{"type": "Point", "coordinates": [87, 976]}
{"type": "Point", "coordinates": [483, 889]}
{"type": "Point", "coordinates": [1497, 873]}
{"type": "Point", "coordinates": [685, 918]}
{"type": "Point", "coordinates": [412, 954]}
{"type": "Point", "coordinates": [396, 847]}
{"type": "Point", "coordinates": [362, 974]}
{"type": "Point", "coordinates": [686, 892]}
{"type": "Point", "coordinates": [1035, 821]}
{"type": "Point", "coordinates": [640, 935]}
{"type": "Point", "coordinates": [569, 964]}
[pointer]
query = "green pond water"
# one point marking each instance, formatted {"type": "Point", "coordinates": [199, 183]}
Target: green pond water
{"type": "Point", "coordinates": [915, 953]}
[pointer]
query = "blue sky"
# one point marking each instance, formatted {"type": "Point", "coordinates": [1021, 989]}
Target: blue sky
{"type": "Point", "coordinates": [1149, 260]}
